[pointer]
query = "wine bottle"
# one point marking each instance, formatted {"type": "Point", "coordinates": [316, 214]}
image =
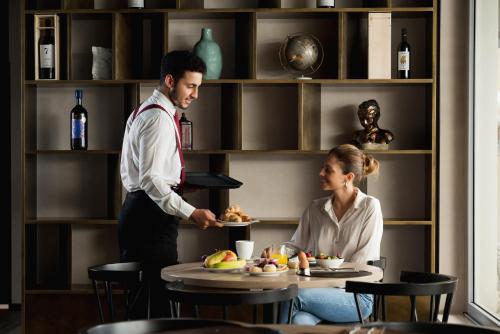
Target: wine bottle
{"type": "Point", "coordinates": [404, 56]}
{"type": "Point", "coordinates": [135, 3]}
{"type": "Point", "coordinates": [46, 51]}
{"type": "Point", "coordinates": [186, 133]}
{"type": "Point", "coordinates": [79, 124]}
{"type": "Point", "coordinates": [325, 3]}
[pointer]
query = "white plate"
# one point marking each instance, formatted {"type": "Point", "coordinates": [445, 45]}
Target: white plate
{"type": "Point", "coordinates": [231, 224]}
{"type": "Point", "coordinates": [265, 273]}
{"type": "Point", "coordinates": [222, 270]}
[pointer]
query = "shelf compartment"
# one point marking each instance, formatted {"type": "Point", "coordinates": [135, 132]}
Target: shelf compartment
{"type": "Point", "coordinates": [47, 256]}
{"type": "Point", "coordinates": [71, 220]}
{"type": "Point", "coordinates": [213, 4]}
{"type": "Point", "coordinates": [215, 116]}
{"type": "Point", "coordinates": [269, 122]}
{"type": "Point", "coordinates": [138, 40]}
{"type": "Point", "coordinates": [232, 31]}
{"type": "Point", "coordinates": [355, 43]}
{"type": "Point", "coordinates": [274, 27]}
{"type": "Point", "coordinates": [410, 3]}
{"type": "Point", "coordinates": [90, 246]}
{"type": "Point", "coordinates": [48, 113]}
{"type": "Point", "coordinates": [31, 44]}
{"type": "Point", "coordinates": [87, 30]}
{"type": "Point", "coordinates": [404, 110]}
{"type": "Point", "coordinates": [91, 189]}
{"type": "Point", "coordinates": [407, 198]}
{"type": "Point", "coordinates": [42, 4]}
{"type": "Point", "coordinates": [267, 175]}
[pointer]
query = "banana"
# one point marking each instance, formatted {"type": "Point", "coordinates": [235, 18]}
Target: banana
{"type": "Point", "coordinates": [230, 264]}
{"type": "Point", "coordinates": [215, 258]}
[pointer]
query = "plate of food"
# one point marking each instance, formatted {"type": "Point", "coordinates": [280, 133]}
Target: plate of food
{"type": "Point", "coordinates": [235, 216]}
{"type": "Point", "coordinates": [223, 261]}
{"type": "Point", "coordinates": [266, 267]}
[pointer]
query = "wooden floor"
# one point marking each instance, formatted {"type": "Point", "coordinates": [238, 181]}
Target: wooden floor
{"type": "Point", "coordinates": [10, 322]}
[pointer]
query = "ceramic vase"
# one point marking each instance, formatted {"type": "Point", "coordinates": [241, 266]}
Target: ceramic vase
{"type": "Point", "coordinates": [208, 50]}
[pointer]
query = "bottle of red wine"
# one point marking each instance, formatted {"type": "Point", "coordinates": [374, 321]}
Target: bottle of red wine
{"type": "Point", "coordinates": [325, 3]}
{"type": "Point", "coordinates": [186, 133]}
{"type": "Point", "coordinates": [46, 52]}
{"type": "Point", "coordinates": [135, 3]}
{"type": "Point", "coordinates": [79, 124]}
{"type": "Point", "coordinates": [404, 56]}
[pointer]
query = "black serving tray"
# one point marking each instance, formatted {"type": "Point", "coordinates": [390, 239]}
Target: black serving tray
{"type": "Point", "coordinates": [211, 180]}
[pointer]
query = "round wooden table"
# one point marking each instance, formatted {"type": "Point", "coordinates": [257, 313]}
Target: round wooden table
{"type": "Point", "coordinates": [193, 274]}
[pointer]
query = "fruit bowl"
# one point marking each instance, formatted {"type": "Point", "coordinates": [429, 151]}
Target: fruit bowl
{"type": "Point", "coordinates": [330, 263]}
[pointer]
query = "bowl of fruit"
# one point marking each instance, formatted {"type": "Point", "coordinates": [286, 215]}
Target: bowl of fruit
{"type": "Point", "coordinates": [329, 262]}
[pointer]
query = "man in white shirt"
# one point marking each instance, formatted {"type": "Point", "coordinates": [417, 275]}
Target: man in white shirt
{"type": "Point", "coordinates": [152, 171]}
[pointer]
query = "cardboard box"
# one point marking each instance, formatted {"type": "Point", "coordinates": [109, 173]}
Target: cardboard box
{"type": "Point", "coordinates": [40, 24]}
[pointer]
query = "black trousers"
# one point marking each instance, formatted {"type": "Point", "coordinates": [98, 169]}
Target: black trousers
{"type": "Point", "coordinates": [148, 235]}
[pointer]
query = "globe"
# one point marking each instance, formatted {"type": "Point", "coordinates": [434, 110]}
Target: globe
{"type": "Point", "coordinates": [301, 53]}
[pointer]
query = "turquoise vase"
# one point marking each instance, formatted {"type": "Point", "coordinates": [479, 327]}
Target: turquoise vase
{"type": "Point", "coordinates": [208, 50]}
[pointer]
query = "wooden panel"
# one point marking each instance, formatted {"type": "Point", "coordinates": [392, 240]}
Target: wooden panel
{"type": "Point", "coordinates": [231, 117]}
{"type": "Point", "coordinates": [356, 45]}
{"type": "Point", "coordinates": [123, 47]}
{"type": "Point", "coordinates": [113, 189]}
{"type": "Point", "coordinates": [78, 4]}
{"type": "Point", "coordinates": [309, 117]}
{"type": "Point", "coordinates": [244, 40]}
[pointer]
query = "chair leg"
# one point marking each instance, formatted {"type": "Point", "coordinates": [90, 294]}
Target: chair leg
{"type": "Point", "coordinates": [109, 295]}
{"type": "Point", "coordinates": [413, 314]}
{"type": "Point", "coordinates": [447, 307]}
{"type": "Point", "coordinates": [226, 311]}
{"type": "Point", "coordinates": [148, 287]}
{"type": "Point", "coordinates": [196, 311]}
{"type": "Point", "coordinates": [382, 299]}
{"type": "Point", "coordinates": [436, 307]}
{"type": "Point", "coordinates": [431, 309]}
{"type": "Point", "coordinates": [173, 313]}
{"type": "Point", "coordinates": [358, 309]}
{"type": "Point", "coordinates": [99, 307]}
{"type": "Point", "coordinates": [290, 310]}
{"type": "Point", "coordinates": [255, 311]}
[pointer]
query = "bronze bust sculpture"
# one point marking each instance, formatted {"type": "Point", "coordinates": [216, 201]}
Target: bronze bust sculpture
{"type": "Point", "coordinates": [372, 137]}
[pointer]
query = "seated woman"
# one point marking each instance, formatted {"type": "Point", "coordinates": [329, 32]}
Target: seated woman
{"type": "Point", "coordinates": [349, 223]}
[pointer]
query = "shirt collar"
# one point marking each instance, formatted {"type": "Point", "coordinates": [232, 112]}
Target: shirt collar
{"type": "Point", "coordinates": [164, 101]}
{"type": "Point", "coordinates": [356, 205]}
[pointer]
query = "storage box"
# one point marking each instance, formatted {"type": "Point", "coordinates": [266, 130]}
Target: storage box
{"type": "Point", "coordinates": [43, 22]}
{"type": "Point", "coordinates": [379, 45]}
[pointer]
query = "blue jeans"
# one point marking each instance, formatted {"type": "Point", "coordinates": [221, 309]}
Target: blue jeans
{"type": "Point", "coordinates": [332, 304]}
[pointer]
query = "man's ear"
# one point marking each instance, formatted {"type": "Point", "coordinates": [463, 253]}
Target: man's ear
{"type": "Point", "coordinates": [169, 81]}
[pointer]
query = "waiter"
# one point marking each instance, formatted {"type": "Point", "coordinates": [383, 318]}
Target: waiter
{"type": "Point", "coordinates": [152, 171]}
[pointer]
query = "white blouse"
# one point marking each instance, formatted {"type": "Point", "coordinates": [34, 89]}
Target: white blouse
{"type": "Point", "coordinates": [356, 237]}
{"type": "Point", "coordinates": [150, 160]}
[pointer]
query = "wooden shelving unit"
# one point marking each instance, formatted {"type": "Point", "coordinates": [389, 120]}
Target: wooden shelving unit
{"type": "Point", "coordinates": [257, 124]}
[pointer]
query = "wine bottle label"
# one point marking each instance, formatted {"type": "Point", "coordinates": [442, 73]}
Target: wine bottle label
{"type": "Point", "coordinates": [325, 3]}
{"type": "Point", "coordinates": [46, 56]}
{"type": "Point", "coordinates": [186, 142]}
{"type": "Point", "coordinates": [403, 60]}
{"type": "Point", "coordinates": [78, 128]}
{"type": "Point", "coordinates": [136, 3]}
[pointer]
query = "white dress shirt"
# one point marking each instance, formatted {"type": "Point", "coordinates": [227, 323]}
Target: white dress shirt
{"type": "Point", "coordinates": [356, 237]}
{"type": "Point", "coordinates": [150, 160]}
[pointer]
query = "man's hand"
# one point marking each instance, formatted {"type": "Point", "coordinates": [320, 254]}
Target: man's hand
{"type": "Point", "coordinates": [204, 218]}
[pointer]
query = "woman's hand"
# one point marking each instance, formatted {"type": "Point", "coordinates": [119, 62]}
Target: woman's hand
{"type": "Point", "coordinates": [266, 253]}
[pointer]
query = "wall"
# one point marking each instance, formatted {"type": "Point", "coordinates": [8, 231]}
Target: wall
{"type": "Point", "coordinates": [453, 106]}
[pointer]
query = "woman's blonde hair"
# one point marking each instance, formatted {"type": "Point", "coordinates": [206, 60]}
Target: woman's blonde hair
{"type": "Point", "coordinates": [353, 160]}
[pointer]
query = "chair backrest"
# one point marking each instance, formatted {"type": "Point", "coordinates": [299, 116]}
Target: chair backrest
{"type": "Point", "coordinates": [116, 272]}
{"type": "Point", "coordinates": [412, 284]}
{"type": "Point", "coordinates": [179, 292]}
{"type": "Point", "coordinates": [432, 328]}
{"type": "Point", "coordinates": [163, 325]}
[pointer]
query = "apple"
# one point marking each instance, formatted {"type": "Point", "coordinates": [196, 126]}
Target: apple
{"type": "Point", "coordinates": [229, 257]}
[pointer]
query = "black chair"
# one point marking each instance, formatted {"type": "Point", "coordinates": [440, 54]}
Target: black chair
{"type": "Point", "coordinates": [180, 293]}
{"type": "Point", "coordinates": [128, 275]}
{"type": "Point", "coordinates": [166, 325]}
{"type": "Point", "coordinates": [412, 284]}
{"type": "Point", "coordinates": [432, 328]}
{"type": "Point", "coordinates": [379, 301]}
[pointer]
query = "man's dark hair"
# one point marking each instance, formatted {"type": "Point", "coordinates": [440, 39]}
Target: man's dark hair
{"type": "Point", "coordinates": [176, 63]}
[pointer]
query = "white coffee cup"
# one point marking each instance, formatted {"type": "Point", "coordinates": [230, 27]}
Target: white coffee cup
{"type": "Point", "coordinates": [244, 248]}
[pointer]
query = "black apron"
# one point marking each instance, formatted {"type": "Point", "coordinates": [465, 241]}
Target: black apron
{"type": "Point", "coordinates": [146, 233]}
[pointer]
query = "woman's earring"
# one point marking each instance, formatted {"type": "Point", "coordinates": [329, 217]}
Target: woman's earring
{"type": "Point", "coordinates": [345, 184]}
